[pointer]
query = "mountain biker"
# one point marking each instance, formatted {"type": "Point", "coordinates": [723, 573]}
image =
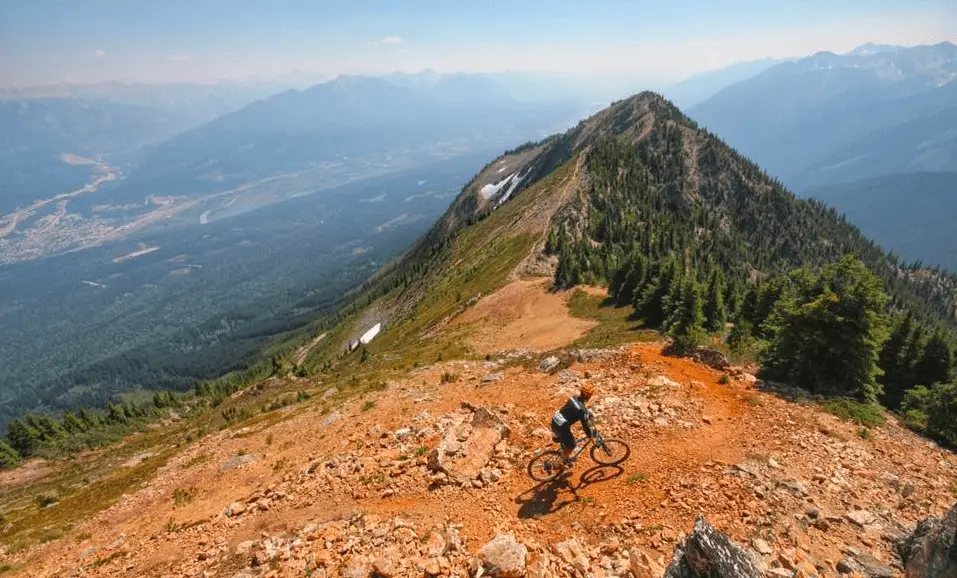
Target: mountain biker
{"type": "Point", "coordinates": [573, 411]}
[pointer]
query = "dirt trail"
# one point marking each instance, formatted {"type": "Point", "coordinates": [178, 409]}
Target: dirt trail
{"type": "Point", "coordinates": [573, 182]}
{"type": "Point", "coordinates": [303, 351]}
{"type": "Point", "coordinates": [276, 498]}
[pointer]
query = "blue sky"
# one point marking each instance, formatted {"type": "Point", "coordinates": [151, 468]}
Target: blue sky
{"type": "Point", "coordinates": [46, 41]}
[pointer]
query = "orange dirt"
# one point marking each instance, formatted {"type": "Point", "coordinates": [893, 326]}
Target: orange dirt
{"type": "Point", "coordinates": [523, 315]}
{"type": "Point", "coordinates": [682, 465]}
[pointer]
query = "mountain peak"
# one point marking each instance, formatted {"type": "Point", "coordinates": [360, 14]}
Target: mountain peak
{"type": "Point", "coordinates": [870, 49]}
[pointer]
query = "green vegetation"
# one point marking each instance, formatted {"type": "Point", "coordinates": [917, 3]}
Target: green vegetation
{"type": "Point", "coordinates": [932, 410]}
{"type": "Point", "coordinates": [45, 501]}
{"type": "Point", "coordinates": [368, 405]}
{"type": "Point", "coordinates": [690, 243]}
{"type": "Point", "coordinates": [421, 451]}
{"type": "Point", "coordinates": [635, 478]}
{"type": "Point", "coordinates": [616, 325]}
{"type": "Point", "coordinates": [864, 433]}
{"type": "Point", "coordinates": [724, 379]}
{"type": "Point", "coordinates": [863, 414]}
{"type": "Point", "coordinates": [826, 331]}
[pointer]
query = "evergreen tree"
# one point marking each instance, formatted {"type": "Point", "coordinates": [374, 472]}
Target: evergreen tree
{"type": "Point", "coordinates": [687, 328]}
{"type": "Point", "coordinates": [936, 362]}
{"type": "Point", "coordinates": [831, 331]}
{"type": "Point", "coordinates": [652, 298]}
{"type": "Point", "coordinates": [8, 456]}
{"type": "Point", "coordinates": [941, 413]}
{"type": "Point", "coordinates": [88, 419]}
{"type": "Point", "coordinates": [741, 336]}
{"type": "Point", "coordinates": [895, 363]}
{"type": "Point", "coordinates": [734, 299]}
{"type": "Point", "coordinates": [22, 438]}
{"type": "Point", "coordinates": [72, 424]}
{"type": "Point", "coordinates": [715, 313]}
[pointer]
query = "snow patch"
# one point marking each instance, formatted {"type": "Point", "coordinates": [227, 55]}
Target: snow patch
{"type": "Point", "coordinates": [370, 334]}
{"type": "Point", "coordinates": [515, 182]}
{"type": "Point", "coordinates": [489, 191]}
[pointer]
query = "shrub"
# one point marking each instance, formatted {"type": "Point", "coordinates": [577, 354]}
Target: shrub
{"type": "Point", "coordinates": [449, 377]}
{"type": "Point", "coordinates": [45, 500]}
{"type": "Point", "coordinates": [862, 414]}
{"type": "Point", "coordinates": [181, 497]}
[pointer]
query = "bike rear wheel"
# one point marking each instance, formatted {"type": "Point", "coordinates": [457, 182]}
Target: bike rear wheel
{"type": "Point", "coordinates": [612, 452]}
{"type": "Point", "coordinates": [546, 466]}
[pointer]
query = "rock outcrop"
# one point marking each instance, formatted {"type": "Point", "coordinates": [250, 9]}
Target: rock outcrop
{"type": "Point", "coordinates": [468, 445]}
{"type": "Point", "coordinates": [931, 552]}
{"type": "Point", "coordinates": [707, 553]}
{"type": "Point", "coordinates": [503, 557]}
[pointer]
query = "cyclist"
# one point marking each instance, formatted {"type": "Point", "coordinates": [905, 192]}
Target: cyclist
{"type": "Point", "coordinates": [573, 411]}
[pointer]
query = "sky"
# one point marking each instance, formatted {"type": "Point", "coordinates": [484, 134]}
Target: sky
{"type": "Point", "coordinates": [87, 41]}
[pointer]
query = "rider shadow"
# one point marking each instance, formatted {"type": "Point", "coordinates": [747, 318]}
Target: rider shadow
{"type": "Point", "coordinates": [543, 499]}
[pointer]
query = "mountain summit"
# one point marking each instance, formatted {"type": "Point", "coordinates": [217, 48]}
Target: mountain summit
{"type": "Point", "coordinates": [636, 178]}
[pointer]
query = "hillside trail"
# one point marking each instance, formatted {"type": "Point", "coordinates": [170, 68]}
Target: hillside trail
{"type": "Point", "coordinates": [539, 246]}
{"type": "Point", "coordinates": [326, 488]}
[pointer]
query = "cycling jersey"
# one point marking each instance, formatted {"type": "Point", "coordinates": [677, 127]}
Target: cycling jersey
{"type": "Point", "coordinates": [573, 411]}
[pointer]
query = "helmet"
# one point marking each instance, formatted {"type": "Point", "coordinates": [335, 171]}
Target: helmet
{"type": "Point", "coordinates": [587, 391]}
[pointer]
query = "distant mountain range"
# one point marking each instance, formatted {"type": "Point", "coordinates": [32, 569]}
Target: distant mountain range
{"type": "Point", "coordinates": [348, 120]}
{"type": "Point", "coordinates": [704, 85]}
{"type": "Point", "coordinates": [914, 214]}
{"type": "Point", "coordinates": [870, 116]}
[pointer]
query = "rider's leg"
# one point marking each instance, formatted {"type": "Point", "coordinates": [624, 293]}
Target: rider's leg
{"type": "Point", "coordinates": [567, 440]}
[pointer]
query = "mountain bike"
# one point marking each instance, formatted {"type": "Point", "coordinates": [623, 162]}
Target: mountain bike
{"type": "Point", "coordinates": [546, 465]}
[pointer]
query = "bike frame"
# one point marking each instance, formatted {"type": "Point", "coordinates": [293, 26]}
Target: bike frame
{"type": "Point", "coordinates": [581, 444]}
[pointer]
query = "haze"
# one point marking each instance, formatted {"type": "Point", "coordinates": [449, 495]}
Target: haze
{"type": "Point", "coordinates": [157, 42]}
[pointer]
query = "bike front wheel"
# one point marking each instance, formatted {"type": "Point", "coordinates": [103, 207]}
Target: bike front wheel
{"type": "Point", "coordinates": [611, 452]}
{"type": "Point", "coordinates": [546, 466]}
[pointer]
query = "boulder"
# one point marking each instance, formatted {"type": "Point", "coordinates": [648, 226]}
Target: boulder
{"type": "Point", "coordinates": [642, 566]}
{"type": "Point", "coordinates": [237, 462]}
{"type": "Point", "coordinates": [931, 551]}
{"type": "Point", "coordinates": [549, 363]}
{"type": "Point", "coordinates": [707, 553]}
{"type": "Point", "coordinates": [573, 553]}
{"type": "Point", "coordinates": [468, 445]}
{"type": "Point", "coordinates": [711, 357]}
{"type": "Point", "coordinates": [503, 557]}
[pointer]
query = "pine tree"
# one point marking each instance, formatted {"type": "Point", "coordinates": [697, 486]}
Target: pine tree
{"type": "Point", "coordinates": [8, 456]}
{"type": "Point", "coordinates": [87, 418]}
{"type": "Point", "coordinates": [894, 362]}
{"type": "Point", "coordinates": [715, 313]}
{"type": "Point", "coordinates": [941, 410]}
{"type": "Point", "coordinates": [72, 424]}
{"type": "Point", "coordinates": [936, 362]}
{"type": "Point", "coordinates": [22, 438]}
{"type": "Point", "coordinates": [687, 328]}
{"type": "Point", "coordinates": [831, 331]}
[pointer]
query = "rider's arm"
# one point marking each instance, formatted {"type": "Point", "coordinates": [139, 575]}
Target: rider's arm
{"type": "Point", "coordinates": [586, 418]}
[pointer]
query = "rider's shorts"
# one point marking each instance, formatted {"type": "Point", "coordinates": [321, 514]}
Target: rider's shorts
{"type": "Point", "coordinates": [564, 435]}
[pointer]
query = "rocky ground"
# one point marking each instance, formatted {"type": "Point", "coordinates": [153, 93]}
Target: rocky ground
{"type": "Point", "coordinates": [427, 478]}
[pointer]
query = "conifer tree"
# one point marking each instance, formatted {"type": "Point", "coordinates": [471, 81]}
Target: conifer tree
{"type": "Point", "coordinates": [8, 456]}
{"type": "Point", "coordinates": [832, 329]}
{"type": "Point", "coordinates": [936, 361]}
{"type": "Point", "coordinates": [715, 312]}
